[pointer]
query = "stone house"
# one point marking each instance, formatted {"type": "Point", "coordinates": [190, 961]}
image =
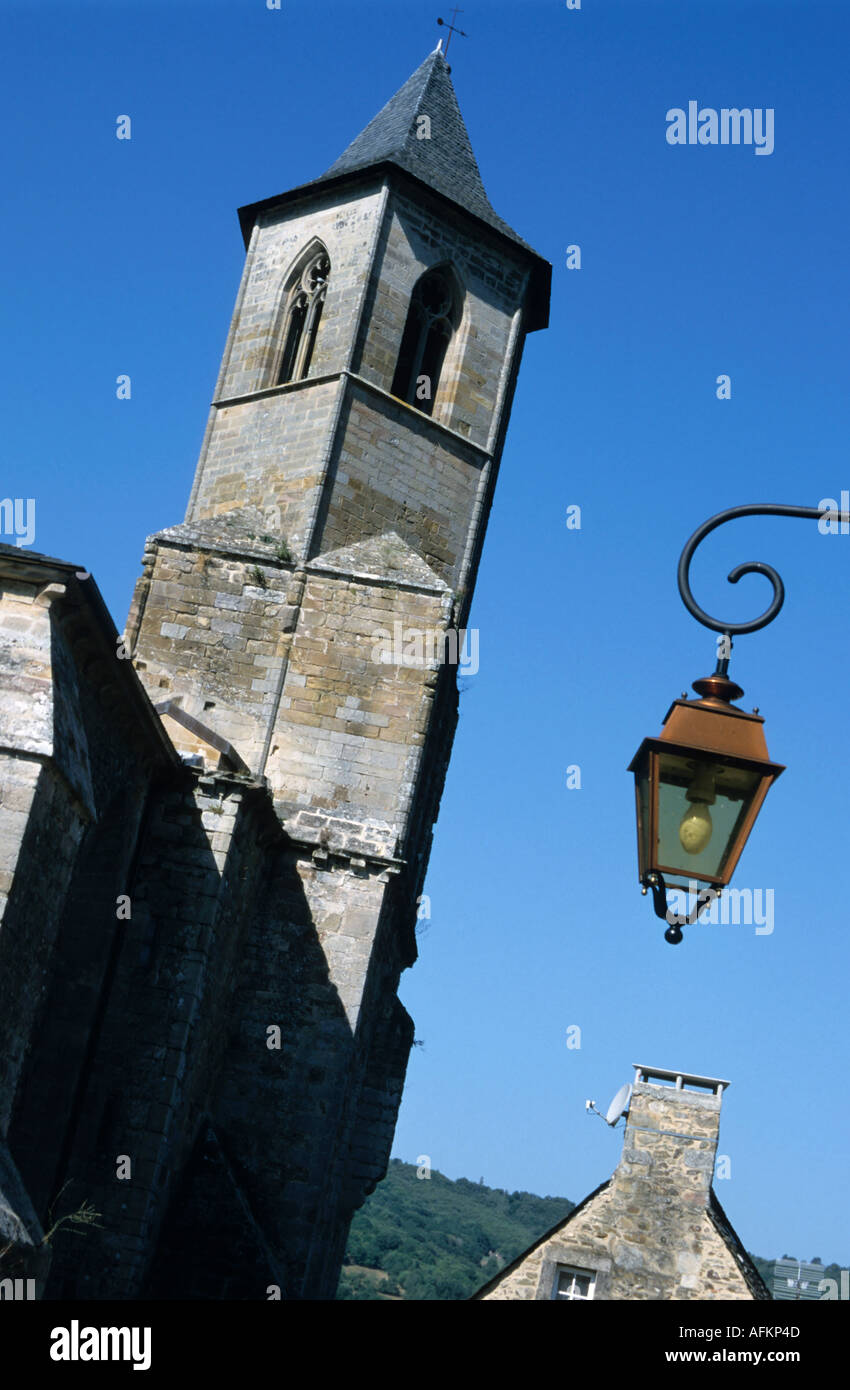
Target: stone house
{"type": "Point", "coordinates": [214, 831]}
{"type": "Point", "coordinates": [655, 1230]}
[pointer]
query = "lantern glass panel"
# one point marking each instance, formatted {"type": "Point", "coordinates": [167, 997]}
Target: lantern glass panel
{"type": "Point", "coordinates": [696, 832]}
{"type": "Point", "coordinates": [642, 793]}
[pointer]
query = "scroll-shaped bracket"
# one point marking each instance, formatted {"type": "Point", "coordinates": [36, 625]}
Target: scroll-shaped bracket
{"type": "Point", "coordinates": [751, 567]}
{"type": "Point", "coordinates": [675, 921]}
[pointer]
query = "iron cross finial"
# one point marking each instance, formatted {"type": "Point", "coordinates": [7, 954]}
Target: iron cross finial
{"type": "Point", "coordinates": [452, 28]}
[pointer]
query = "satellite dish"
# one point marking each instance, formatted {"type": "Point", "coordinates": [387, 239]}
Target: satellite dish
{"type": "Point", "coordinates": [618, 1104]}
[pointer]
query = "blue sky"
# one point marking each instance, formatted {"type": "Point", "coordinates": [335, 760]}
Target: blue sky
{"type": "Point", "coordinates": [125, 256]}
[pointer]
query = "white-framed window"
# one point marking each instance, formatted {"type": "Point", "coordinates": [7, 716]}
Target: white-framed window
{"type": "Point", "coordinates": [574, 1283]}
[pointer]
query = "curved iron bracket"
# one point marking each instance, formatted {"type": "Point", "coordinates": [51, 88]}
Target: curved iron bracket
{"type": "Point", "coordinates": [675, 921]}
{"type": "Point", "coordinates": [751, 567]}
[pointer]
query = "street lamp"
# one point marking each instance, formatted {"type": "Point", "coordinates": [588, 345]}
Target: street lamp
{"type": "Point", "coordinates": [700, 785]}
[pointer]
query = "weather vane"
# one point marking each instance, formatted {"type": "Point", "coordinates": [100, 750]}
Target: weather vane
{"type": "Point", "coordinates": [452, 28]}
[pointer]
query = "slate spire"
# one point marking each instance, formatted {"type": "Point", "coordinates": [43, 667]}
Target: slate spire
{"type": "Point", "coordinates": [445, 161]}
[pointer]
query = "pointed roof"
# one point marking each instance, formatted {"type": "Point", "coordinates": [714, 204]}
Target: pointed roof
{"type": "Point", "coordinates": [444, 163]}
{"type": "Point", "coordinates": [444, 160]}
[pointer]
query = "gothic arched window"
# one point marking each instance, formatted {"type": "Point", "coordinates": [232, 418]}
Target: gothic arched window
{"type": "Point", "coordinates": [304, 299]}
{"type": "Point", "coordinates": [431, 320]}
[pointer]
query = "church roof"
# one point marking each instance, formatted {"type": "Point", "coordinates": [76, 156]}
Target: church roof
{"type": "Point", "coordinates": [444, 160]}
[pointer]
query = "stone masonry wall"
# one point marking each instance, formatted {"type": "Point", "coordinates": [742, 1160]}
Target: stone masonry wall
{"type": "Point", "coordinates": [347, 228]}
{"type": "Point", "coordinates": [215, 629]}
{"type": "Point", "coordinates": [399, 471]}
{"type": "Point", "coordinates": [272, 452]}
{"type": "Point", "coordinates": [421, 235]}
{"type": "Point", "coordinates": [348, 737]}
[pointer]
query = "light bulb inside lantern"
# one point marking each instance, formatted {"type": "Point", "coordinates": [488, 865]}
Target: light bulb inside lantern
{"type": "Point", "coordinates": [695, 828]}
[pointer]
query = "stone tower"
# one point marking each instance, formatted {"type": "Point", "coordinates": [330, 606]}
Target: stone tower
{"type": "Point", "coordinates": [246, 1047]}
{"type": "Point", "coordinates": [344, 488]}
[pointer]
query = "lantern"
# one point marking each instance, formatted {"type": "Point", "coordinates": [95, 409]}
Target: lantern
{"type": "Point", "coordinates": [699, 787]}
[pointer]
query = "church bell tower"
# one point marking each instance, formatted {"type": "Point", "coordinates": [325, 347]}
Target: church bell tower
{"type": "Point", "coordinates": [296, 631]}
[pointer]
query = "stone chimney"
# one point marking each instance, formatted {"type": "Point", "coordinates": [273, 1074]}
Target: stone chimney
{"type": "Point", "coordinates": [671, 1136]}
{"type": "Point", "coordinates": [661, 1189]}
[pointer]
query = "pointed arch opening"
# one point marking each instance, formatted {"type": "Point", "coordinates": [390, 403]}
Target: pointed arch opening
{"type": "Point", "coordinates": [302, 302]}
{"type": "Point", "coordinates": [432, 320]}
